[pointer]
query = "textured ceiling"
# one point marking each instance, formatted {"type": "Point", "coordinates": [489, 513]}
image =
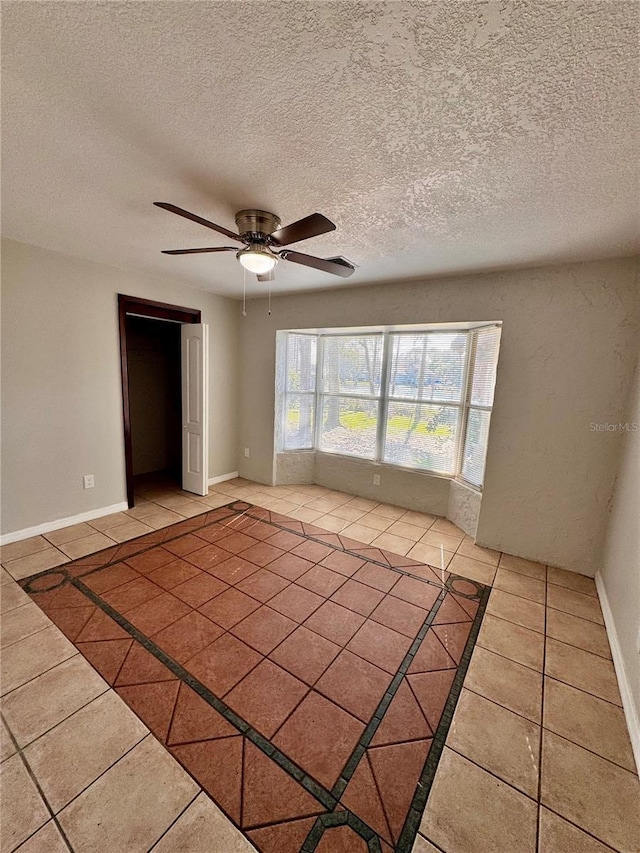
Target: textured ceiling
{"type": "Point", "coordinates": [439, 136]}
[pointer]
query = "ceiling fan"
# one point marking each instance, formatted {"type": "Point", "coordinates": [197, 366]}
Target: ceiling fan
{"type": "Point", "coordinates": [262, 236]}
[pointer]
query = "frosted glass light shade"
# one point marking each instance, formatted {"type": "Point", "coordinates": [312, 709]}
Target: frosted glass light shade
{"type": "Point", "coordinates": [257, 259]}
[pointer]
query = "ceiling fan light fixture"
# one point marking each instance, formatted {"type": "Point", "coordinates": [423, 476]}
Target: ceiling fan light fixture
{"type": "Point", "coordinates": [257, 259]}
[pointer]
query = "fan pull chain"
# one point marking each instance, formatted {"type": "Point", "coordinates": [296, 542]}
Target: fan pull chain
{"type": "Point", "coordinates": [269, 298]}
{"type": "Point", "coordinates": [244, 292]}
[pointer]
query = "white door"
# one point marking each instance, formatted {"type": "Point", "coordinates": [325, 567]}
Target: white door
{"type": "Point", "coordinates": [195, 407]}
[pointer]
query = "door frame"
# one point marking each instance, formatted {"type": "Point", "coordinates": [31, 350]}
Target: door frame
{"type": "Point", "coordinates": [134, 306]}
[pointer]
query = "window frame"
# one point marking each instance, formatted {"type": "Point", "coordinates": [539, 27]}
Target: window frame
{"type": "Point", "coordinates": [464, 406]}
{"type": "Point", "coordinates": [287, 394]}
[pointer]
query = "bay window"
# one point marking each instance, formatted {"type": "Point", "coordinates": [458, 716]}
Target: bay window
{"type": "Point", "coordinates": [411, 398]}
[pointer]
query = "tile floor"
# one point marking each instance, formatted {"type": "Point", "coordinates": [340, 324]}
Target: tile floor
{"type": "Point", "coordinates": [537, 757]}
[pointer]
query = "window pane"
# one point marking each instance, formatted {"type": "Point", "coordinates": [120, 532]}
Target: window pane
{"type": "Point", "coordinates": [349, 425]}
{"type": "Point", "coordinates": [301, 362]}
{"type": "Point", "coordinates": [428, 366]}
{"type": "Point", "coordinates": [353, 364]}
{"type": "Point", "coordinates": [299, 421]}
{"type": "Point", "coordinates": [422, 436]}
{"type": "Point", "coordinates": [475, 446]}
{"type": "Point", "coordinates": [484, 368]}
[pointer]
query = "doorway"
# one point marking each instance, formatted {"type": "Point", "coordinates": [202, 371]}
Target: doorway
{"type": "Point", "coordinates": [152, 393]}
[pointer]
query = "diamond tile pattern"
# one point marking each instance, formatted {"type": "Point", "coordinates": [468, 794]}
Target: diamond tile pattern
{"type": "Point", "coordinates": [299, 676]}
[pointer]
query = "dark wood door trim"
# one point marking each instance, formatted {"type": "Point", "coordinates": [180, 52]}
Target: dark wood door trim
{"type": "Point", "coordinates": [131, 305]}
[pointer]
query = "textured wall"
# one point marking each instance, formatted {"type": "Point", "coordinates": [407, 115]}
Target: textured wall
{"type": "Point", "coordinates": [464, 508]}
{"type": "Point", "coordinates": [621, 563]}
{"type": "Point", "coordinates": [61, 387]}
{"type": "Point", "coordinates": [567, 355]}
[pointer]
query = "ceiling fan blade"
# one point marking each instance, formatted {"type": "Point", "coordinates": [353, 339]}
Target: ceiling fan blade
{"type": "Point", "coordinates": [310, 226]}
{"type": "Point", "coordinates": [194, 218]}
{"type": "Point", "coordinates": [337, 267]}
{"type": "Point", "coordinates": [268, 276]}
{"type": "Point", "coordinates": [196, 251]}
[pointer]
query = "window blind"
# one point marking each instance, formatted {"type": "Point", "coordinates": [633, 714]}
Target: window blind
{"type": "Point", "coordinates": [300, 391]}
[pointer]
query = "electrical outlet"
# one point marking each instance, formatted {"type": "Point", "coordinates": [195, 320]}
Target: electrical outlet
{"type": "Point", "coordinates": [247, 452]}
{"type": "Point", "coordinates": [88, 481]}
{"type": "Point", "coordinates": [376, 479]}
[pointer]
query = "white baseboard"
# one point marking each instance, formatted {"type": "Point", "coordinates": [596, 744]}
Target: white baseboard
{"type": "Point", "coordinates": [631, 712]}
{"type": "Point", "coordinates": [222, 478]}
{"type": "Point", "coordinates": [48, 526]}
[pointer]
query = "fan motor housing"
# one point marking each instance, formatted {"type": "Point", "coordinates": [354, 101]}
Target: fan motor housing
{"type": "Point", "coordinates": [256, 225]}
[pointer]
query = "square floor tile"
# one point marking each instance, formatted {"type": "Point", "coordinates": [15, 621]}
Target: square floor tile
{"type": "Point", "coordinates": [305, 654]}
{"type": "Point", "coordinates": [32, 656]}
{"type": "Point", "coordinates": [23, 810]}
{"type": "Point", "coordinates": [345, 564]}
{"type": "Point", "coordinates": [474, 569]}
{"type": "Point", "coordinates": [556, 835]}
{"type": "Point", "coordinates": [150, 560]}
{"type": "Point", "coordinates": [130, 595]}
{"type": "Point", "coordinates": [263, 585]}
{"type": "Point", "coordinates": [321, 580]}
{"type": "Point", "coordinates": [358, 596]}
{"type": "Point", "coordinates": [296, 602]}
{"type": "Point", "coordinates": [525, 567]}
{"type": "Point", "coordinates": [578, 632]}
{"type": "Point", "coordinates": [519, 584]}
{"type": "Point", "coordinates": [73, 754]}
{"type": "Point", "coordinates": [229, 608]}
{"type": "Point", "coordinates": [289, 566]}
{"type": "Point", "coordinates": [234, 570]}
{"type": "Point", "coordinates": [22, 622]}
{"type": "Point", "coordinates": [187, 636]}
{"type": "Point", "coordinates": [512, 641]}
{"type": "Point", "coordinates": [319, 736]}
{"type": "Point", "coordinates": [46, 840]}
{"type": "Point", "coordinates": [203, 827]}
{"type": "Point", "coordinates": [208, 557]}
{"type": "Point", "coordinates": [156, 614]}
{"type": "Point", "coordinates": [266, 697]}
{"type": "Point", "coordinates": [516, 609]}
{"type": "Point", "coordinates": [313, 551]}
{"type": "Point", "coordinates": [110, 578]}
{"type": "Point", "coordinates": [237, 542]}
{"type": "Point", "coordinates": [591, 792]}
{"type": "Point", "coordinates": [138, 799]}
{"type": "Point", "coordinates": [263, 553]}
{"type": "Point", "coordinates": [223, 664]}
{"type": "Point", "coordinates": [200, 589]}
{"type": "Point", "coordinates": [354, 684]}
{"type": "Point", "coordinates": [400, 615]}
{"type": "Point", "coordinates": [377, 576]}
{"type": "Point", "coordinates": [502, 742]}
{"type": "Point", "coordinates": [12, 596]}
{"type": "Point", "coordinates": [334, 622]}
{"type": "Point", "coordinates": [588, 721]}
{"type": "Point", "coordinates": [24, 567]}
{"type": "Point", "coordinates": [264, 629]}
{"type": "Point", "coordinates": [576, 603]}
{"type": "Point", "coordinates": [42, 703]}
{"type": "Point", "coordinates": [172, 574]}
{"type": "Point", "coordinates": [416, 592]}
{"type": "Point", "coordinates": [468, 548]}
{"type": "Point", "coordinates": [572, 580]}
{"type": "Point", "coordinates": [471, 811]}
{"type": "Point", "coordinates": [506, 682]}
{"type": "Point", "coordinates": [380, 646]}
{"type": "Point", "coordinates": [581, 669]}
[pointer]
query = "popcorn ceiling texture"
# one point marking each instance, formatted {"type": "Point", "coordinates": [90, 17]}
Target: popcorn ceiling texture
{"type": "Point", "coordinates": [441, 137]}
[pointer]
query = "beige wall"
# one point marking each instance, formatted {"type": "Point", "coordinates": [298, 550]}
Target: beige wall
{"type": "Point", "coordinates": [566, 361]}
{"type": "Point", "coordinates": [620, 573]}
{"type": "Point", "coordinates": [61, 388]}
